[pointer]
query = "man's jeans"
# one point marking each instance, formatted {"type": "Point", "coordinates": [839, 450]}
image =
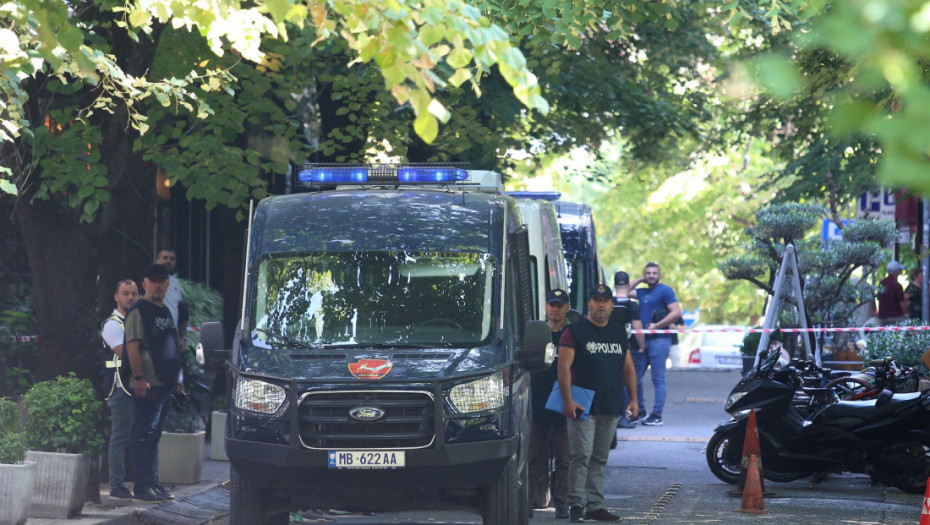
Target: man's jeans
{"type": "Point", "coordinates": [588, 448]}
{"type": "Point", "coordinates": [121, 417]}
{"type": "Point", "coordinates": [146, 431]}
{"type": "Point", "coordinates": [654, 357]}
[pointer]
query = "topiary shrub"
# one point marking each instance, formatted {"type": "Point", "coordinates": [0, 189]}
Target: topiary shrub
{"type": "Point", "coordinates": [64, 416]}
{"type": "Point", "coordinates": [12, 438]}
{"type": "Point", "coordinates": [905, 347]}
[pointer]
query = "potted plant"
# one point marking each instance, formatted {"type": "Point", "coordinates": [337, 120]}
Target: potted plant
{"type": "Point", "coordinates": [905, 347]}
{"type": "Point", "coordinates": [17, 477]}
{"type": "Point", "coordinates": [180, 449]}
{"type": "Point", "coordinates": [63, 435]}
{"type": "Point", "coordinates": [750, 346]}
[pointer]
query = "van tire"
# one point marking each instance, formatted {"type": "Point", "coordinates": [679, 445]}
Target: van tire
{"type": "Point", "coordinates": [249, 504]}
{"type": "Point", "coordinates": [501, 505]}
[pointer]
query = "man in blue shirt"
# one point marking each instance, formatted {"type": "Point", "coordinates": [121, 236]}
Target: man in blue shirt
{"type": "Point", "coordinates": [659, 309]}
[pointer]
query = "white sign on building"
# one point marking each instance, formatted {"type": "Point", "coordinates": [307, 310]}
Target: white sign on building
{"type": "Point", "coordinates": [876, 205]}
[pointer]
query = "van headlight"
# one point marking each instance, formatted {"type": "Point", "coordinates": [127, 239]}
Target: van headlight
{"type": "Point", "coordinates": [480, 395]}
{"type": "Point", "coordinates": [258, 396]}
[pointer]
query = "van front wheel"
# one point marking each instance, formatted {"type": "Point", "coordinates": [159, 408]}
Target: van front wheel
{"type": "Point", "coordinates": [251, 505]}
{"type": "Point", "coordinates": [501, 504]}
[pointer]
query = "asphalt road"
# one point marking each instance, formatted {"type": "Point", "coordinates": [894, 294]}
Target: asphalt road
{"type": "Point", "coordinates": [659, 475]}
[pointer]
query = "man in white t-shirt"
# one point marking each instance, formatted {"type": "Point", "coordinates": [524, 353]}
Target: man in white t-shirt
{"type": "Point", "coordinates": [118, 397]}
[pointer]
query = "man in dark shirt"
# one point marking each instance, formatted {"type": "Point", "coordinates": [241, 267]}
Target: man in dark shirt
{"type": "Point", "coordinates": [593, 355]}
{"type": "Point", "coordinates": [892, 305]}
{"type": "Point", "coordinates": [626, 312]}
{"type": "Point", "coordinates": [154, 358]}
{"type": "Point", "coordinates": [549, 440]}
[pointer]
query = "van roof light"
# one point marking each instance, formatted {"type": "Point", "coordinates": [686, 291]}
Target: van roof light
{"type": "Point", "coordinates": [544, 195]}
{"type": "Point", "coordinates": [316, 175]}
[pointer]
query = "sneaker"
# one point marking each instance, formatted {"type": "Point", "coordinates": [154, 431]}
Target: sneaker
{"type": "Point", "coordinates": [600, 515]}
{"type": "Point", "coordinates": [653, 421]}
{"type": "Point", "coordinates": [149, 494]}
{"type": "Point", "coordinates": [638, 418]}
{"type": "Point", "coordinates": [625, 422]}
{"type": "Point", "coordinates": [576, 514]}
{"type": "Point", "coordinates": [561, 512]}
{"type": "Point", "coordinates": [163, 491]}
{"type": "Point", "coordinates": [120, 492]}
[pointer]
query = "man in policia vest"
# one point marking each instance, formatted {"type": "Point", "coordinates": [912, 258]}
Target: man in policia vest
{"type": "Point", "coordinates": [594, 356]}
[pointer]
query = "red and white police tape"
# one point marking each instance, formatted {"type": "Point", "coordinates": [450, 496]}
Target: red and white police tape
{"type": "Point", "coordinates": [788, 330]}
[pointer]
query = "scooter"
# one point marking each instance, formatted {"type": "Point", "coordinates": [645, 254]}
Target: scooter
{"type": "Point", "coordinates": [887, 438]}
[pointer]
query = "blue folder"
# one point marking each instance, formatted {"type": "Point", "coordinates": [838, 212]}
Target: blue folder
{"type": "Point", "coordinates": [582, 396]}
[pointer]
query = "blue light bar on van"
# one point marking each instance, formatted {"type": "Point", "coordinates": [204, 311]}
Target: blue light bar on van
{"type": "Point", "coordinates": [384, 174]}
{"type": "Point", "coordinates": [334, 175]}
{"type": "Point", "coordinates": [426, 174]}
{"type": "Point", "coordinates": [545, 195]}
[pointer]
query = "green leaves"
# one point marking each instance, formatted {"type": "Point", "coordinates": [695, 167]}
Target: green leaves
{"type": "Point", "coordinates": [63, 416]}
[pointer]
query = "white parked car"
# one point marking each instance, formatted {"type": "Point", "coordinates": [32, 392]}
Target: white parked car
{"type": "Point", "coordinates": [718, 347]}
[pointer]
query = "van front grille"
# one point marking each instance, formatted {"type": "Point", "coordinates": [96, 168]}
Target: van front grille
{"type": "Point", "coordinates": [405, 419]}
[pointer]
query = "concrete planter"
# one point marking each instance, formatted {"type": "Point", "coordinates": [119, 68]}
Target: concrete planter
{"type": "Point", "coordinates": [61, 483]}
{"type": "Point", "coordinates": [218, 436]}
{"type": "Point", "coordinates": [17, 483]}
{"type": "Point", "coordinates": [180, 457]}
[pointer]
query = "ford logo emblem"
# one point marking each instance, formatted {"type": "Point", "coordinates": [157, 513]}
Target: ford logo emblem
{"type": "Point", "coordinates": [366, 413]}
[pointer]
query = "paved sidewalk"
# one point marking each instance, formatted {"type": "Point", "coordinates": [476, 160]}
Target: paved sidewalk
{"type": "Point", "coordinates": [112, 511]}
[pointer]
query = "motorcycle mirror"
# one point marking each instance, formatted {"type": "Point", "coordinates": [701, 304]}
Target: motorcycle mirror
{"type": "Point", "coordinates": [884, 397]}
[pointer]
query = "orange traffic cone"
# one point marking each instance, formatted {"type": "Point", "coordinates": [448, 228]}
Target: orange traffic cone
{"type": "Point", "coordinates": [753, 502]}
{"type": "Point", "coordinates": [751, 448]}
{"type": "Point", "coordinates": [925, 513]}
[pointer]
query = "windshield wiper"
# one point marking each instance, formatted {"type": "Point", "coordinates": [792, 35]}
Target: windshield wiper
{"type": "Point", "coordinates": [377, 345]}
{"type": "Point", "coordinates": [289, 340]}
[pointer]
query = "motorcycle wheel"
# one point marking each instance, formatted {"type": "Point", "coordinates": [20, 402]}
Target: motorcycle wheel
{"type": "Point", "coordinates": [724, 455]}
{"type": "Point", "coordinates": [914, 480]}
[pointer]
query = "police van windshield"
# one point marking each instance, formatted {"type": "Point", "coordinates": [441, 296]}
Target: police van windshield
{"type": "Point", "coordinates": [373, 298]}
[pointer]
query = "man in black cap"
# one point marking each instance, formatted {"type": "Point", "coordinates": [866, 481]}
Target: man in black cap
{"type": "Point", "coordinates": [549, 437]}
{"type": "Point", "coordinates": [153, 359]}
{"type": "Point", "coordinates": [626, 312]}
{"type": "Point", "coordinates": [593, 355]}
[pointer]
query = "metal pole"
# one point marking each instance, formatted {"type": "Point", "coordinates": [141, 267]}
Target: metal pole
{"type": "Point", "coordinates": [771, 313]}
{"type": "Point", "coordinates": [925, 262]}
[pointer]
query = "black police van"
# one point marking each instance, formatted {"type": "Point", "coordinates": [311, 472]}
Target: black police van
{"type": "Point", "coordinates": [381, 362]}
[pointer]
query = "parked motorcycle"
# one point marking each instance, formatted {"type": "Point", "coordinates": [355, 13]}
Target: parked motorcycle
{"type": "Point", "coordinates": [881, 374]}
{"type": "Point", "coordinates": [887, 438]}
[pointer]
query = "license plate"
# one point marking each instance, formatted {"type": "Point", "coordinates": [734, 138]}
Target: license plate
{"type": "Point", "coordinates": [366, 459]}
{"type": "Point", "coordinates": [730, 360]}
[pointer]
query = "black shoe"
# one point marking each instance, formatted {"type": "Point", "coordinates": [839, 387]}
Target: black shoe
{"type": "Point", "coordinates": [600, 515]}
{"type": "Point", "coordinates": [625, 422]}
{"type": "Point", "coordinates": [576, 514]}
{"type": "Point", "coordinates": [653, 420]}
{"type": "Point", "coordinates": [561, 512]}
{"type": "Point", "coordinates": [163, 491]}
{"type": "Point", "coordinates": [149, 494]}
{"type": "Point", "coordinates": [120, 492]}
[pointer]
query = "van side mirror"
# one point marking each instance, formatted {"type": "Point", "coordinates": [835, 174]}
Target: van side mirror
{"type": "Point", "coordinates": [537, 352]}
{"type": "Point", "coordinates": [215, 352]}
